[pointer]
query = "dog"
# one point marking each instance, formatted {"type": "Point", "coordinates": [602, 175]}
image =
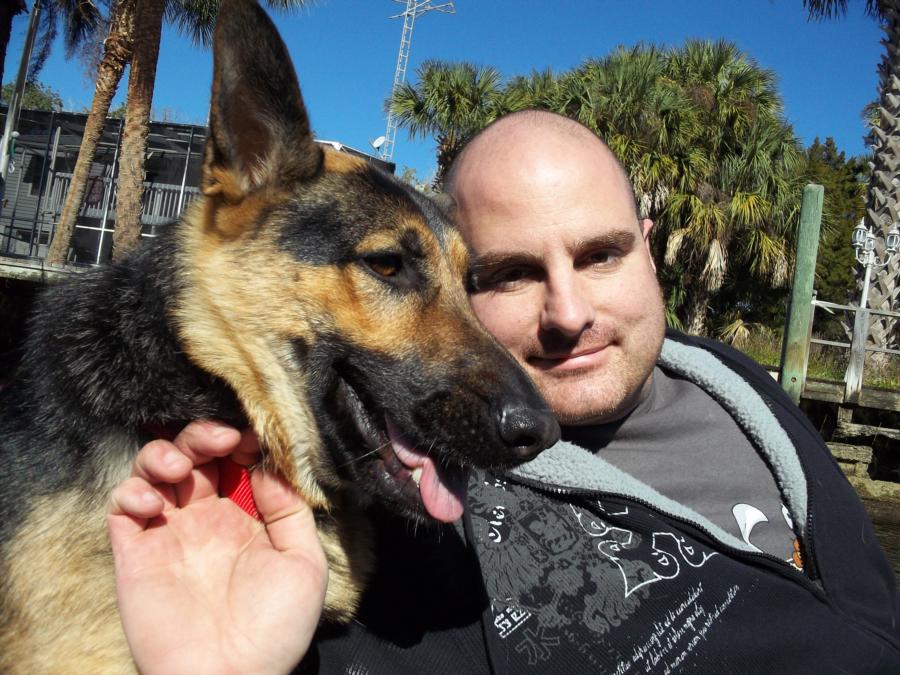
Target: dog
{"type": "Point", "coordinates": [305, 294]}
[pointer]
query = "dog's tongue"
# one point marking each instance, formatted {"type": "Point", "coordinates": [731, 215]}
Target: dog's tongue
{"type": "Point", "coordinates": [442, 497]}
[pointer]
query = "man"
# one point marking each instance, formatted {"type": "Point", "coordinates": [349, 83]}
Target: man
{"type": "Point", "coordinates": [690, 521]}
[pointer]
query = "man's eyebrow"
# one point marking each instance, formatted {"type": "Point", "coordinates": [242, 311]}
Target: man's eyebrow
{"type": "Point", "coordinates": [623, 239]}
{"type": "Point", "coordinates": [490, 261]}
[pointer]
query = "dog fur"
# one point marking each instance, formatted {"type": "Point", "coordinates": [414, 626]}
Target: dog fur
{"type": "Point", "coordinates": [300, 274]}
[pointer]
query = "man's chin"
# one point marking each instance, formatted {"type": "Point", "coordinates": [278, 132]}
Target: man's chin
{"type": "Point", "coordinates": [582, 403]}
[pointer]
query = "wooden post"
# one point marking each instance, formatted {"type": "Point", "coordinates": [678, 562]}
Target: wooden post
{"type": "Point", "coordinates": [795, 350]}
{"type": "Point", "coordinates": [853, 378]}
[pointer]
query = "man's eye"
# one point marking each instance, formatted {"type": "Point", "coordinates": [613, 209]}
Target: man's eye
{"type": "Point", "coordinates": [602, 257]}
{"type": "Point", "coordinates": [504, 279]}
{"type": "Point", "coordinates": [384, 264]}
{"type": "Point", "coordinates": [510, 276]}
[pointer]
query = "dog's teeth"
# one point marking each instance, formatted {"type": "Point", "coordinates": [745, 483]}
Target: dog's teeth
{"type": "Point", "coordinates": [417, 474]}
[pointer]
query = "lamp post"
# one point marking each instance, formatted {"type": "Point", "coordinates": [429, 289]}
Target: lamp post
{"type": "Point", "coordinates": [864, 248]}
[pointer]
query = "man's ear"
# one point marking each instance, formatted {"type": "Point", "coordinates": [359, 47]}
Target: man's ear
{"type": "Point", "coordinates": [446, 203]}
{"type": "Point", "coordinates": [259, 133]}
{"type": "Point", "coordinates": [646, 226]}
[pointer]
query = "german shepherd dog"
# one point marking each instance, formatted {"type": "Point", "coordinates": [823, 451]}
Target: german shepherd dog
{"type": "Point", "coordinates": [306, 294]}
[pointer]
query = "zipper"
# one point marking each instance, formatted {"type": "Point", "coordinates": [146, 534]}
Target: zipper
{"type": "Point", "coordinates": [758, 557]}
{"type": "Point", "coordinates": [808, 544]}
{"type": "Point", "coordinates": [811, 567]}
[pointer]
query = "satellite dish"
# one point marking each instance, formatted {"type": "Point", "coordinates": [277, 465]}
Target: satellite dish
{"type": "Point", "coordinates": [378, 142]}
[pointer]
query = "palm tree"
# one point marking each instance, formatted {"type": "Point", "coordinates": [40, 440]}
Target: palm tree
{"type": "Point", "coordinates": [117, 51]}
{"type": "Point", "coordinates": [195, 18]}
{"type": "Point", "coordinates": [644, 117]}
{"type": "Point", "coordinates": [79, 19]}
{"type": "Point", "coordinates": [148, 25]}
{"type": "Point", "coordinates": [450, 101]}
{"type": "Point", "coordinates": [737, 216]}
{"type": "Point", "coordinates": [882, 203]}
{"type": "Point", "coordinates": [8, 9]}
{"type": "Point", "coordinates": [699, 130]}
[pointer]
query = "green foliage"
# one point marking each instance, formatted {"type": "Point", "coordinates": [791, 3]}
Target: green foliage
{"type": "Point", "coordinates": [699, 128]}
{"type": "Point", "coordinates": [409, 176]}
{"type": "Point", "coordinates": [833, 9]}
{"type": "Point", "coordinates": [450, 102]}
{"type": "Point", "coordinates": [196, 19]}
{"type": "Point", "coordinates": [37, 96]}
{"type": "Point", "coordinates": [82, 23]}
{"type": "Point", "coordinates": [844, 181]}
{"type": "Point", "coordinates": [825, 362]}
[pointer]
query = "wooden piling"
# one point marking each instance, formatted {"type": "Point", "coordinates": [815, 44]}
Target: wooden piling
{"type": "Point", "coordinates": [795, 350]}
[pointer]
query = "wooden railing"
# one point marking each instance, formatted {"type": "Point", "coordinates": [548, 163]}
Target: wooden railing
{"type": "Point", "coordinates": [853, 377]}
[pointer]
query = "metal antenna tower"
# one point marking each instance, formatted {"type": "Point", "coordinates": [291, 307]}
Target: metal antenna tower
{"type": "Point", "coordinates": [413, 9]}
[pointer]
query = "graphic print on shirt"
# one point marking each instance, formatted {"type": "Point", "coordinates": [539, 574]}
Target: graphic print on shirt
{"type": "Point", "coordinates": [567, 562]}
{"type": "Point", "coordinates": [667, 551]}
{"type": "Point", "coordinates": [748, 517]}
{"type": "Point", "coordinates": [564, 577]}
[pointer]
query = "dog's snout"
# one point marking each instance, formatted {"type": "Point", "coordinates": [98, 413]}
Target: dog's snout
{"type": "Point", "coordinates": [527, 430]}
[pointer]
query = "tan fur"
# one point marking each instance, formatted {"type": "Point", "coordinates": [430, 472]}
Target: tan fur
{"type": "Point", "coordinates": [343, 162]}
{"type": "Point", "coordinates": [237, 322]}
{"type": "Point", "coordinates": [59, 587]}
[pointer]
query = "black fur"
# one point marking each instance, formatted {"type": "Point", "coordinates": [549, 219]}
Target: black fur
{"type": "Point", "coordinates": [100, 358]}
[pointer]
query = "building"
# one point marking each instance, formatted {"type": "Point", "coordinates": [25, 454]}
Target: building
{"type": "Point", "coordinates": [43, 161]}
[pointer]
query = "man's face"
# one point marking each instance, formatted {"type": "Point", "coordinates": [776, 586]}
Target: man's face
{"type": "Point", "coordinates": [564, 277]}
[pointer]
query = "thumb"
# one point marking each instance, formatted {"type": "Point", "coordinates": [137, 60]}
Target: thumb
{"type": "Point", "coordinates": [288, 518]}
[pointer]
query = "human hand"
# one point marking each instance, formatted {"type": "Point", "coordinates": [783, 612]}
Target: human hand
{"type": "Point", "coordinates": [203, 587]}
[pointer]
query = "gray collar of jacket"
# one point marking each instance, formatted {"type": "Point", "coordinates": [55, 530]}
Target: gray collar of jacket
{"type": "Point", "coordinates": [569, 466]}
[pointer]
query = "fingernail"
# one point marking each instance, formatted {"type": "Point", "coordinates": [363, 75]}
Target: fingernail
{"type": "Point", "coordinates": [148, 497]}
{"type": "Point", "coordinates": [172, 458]}
{"type": "Point", "coordinates": [217, 429]}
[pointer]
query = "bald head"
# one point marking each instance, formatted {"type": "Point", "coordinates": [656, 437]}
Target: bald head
{"type": "Point", "coordinates": [528, 140]}
{"type": "Point", "coordinates": [562, 271]}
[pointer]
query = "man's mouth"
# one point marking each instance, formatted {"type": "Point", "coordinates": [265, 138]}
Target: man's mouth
{"type": "Point", "coordinates": [567, 361]}
{"type": "Point", "coordinates": [403, 473]}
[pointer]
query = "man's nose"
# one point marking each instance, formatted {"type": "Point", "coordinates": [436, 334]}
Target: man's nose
{"type": "Point", "coordinates": [567, 307]}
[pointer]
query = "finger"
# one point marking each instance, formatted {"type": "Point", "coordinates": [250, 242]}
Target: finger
{"type": "Point", "coordinates": [247, 452]}
{"type": "Point", "coordinates": [162, 464]}
{"type": "Point", "coordinates": [202, 440]}
{"type": "Point", "coordinates": [289, 520]}
{"type": "Point", "coordinates": [131, 505]}
{"type": "Point", "coordinates": [201, 483]}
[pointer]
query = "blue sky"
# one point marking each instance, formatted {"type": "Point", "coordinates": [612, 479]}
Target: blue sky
{"type": "Point", "coordinates": [345, 52]}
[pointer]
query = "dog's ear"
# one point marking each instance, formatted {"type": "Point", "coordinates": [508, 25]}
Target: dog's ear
{"type": "Point", "coordinates": [259, 133]}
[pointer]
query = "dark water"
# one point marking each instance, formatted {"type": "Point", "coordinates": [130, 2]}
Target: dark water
{"type": "Point", "coordinates": [886, 519]}
{"type": "Point", "coordinates": [889, 536]}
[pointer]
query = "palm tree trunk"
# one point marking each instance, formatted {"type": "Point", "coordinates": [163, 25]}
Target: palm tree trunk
{"type": "Point", "coordinates": [148, 24]}
{"type": "Point", "coordinates": [117, 51]}
{"type": "Point", "coordinates": [698, 307]}
{"type": "Point", "coordinates": [882, 197]}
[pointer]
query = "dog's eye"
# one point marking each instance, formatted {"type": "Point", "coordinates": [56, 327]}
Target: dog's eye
{"type": "Point", "coordinates": [385, 264]}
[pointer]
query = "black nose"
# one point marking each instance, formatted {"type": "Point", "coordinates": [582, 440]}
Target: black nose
{"type": "Point", "coordinates": [527, 430]}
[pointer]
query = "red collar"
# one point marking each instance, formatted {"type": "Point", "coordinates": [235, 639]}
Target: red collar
{"type": "Point", "coordinates": [234, 483]}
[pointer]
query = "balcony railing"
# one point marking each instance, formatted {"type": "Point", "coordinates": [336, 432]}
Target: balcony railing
{"type": "Point", "coordinates": [30, 235]}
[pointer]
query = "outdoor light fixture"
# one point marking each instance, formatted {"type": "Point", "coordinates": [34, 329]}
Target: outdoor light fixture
{"type": "Point", "coordinates": [864, 246]}
{"type": "Point", "coordinates": [893, 240]}
{"type": "Point", "coordinates": [859, 235]}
